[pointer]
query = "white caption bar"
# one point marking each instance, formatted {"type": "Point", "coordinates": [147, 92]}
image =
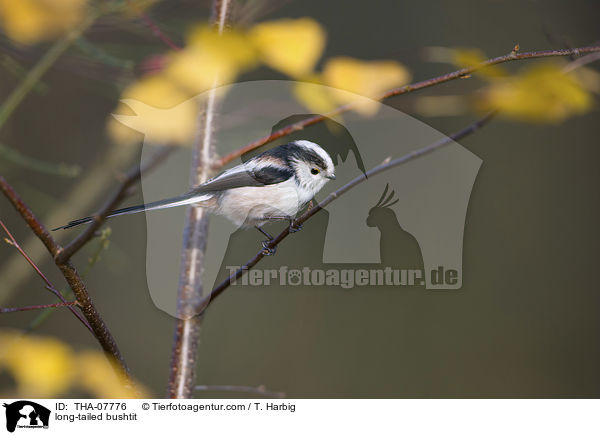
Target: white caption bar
{"type": "Point", "coordinates": [301, 416]}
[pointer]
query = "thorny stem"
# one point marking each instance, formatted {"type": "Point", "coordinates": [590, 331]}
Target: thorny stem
{"type": "Point", "coordinates": [190, 293]}
{"type": "Point", "coordinates": [461, 73]}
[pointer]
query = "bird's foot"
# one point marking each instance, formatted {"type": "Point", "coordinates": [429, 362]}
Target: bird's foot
{"type": "Point", "coordinates": [294, 227]}
{"type": "Point", "coordinates": [267, 250]}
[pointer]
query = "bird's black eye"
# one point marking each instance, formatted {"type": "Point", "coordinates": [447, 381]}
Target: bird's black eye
{"type": "Point", "coordinates": [314, 171]}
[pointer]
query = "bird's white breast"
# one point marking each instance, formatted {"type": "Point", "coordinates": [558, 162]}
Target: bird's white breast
{"type": "Point", "coordinates": [252, 205]}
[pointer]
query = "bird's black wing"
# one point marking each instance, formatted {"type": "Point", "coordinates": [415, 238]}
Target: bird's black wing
{"type": "Point", "coordinates": [239, 177]}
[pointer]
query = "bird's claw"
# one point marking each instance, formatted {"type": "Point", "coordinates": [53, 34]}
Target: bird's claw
{"type": "Point", "coordinates": [268, 251]}
{"type": "Point", "coordinates": [294, 227]}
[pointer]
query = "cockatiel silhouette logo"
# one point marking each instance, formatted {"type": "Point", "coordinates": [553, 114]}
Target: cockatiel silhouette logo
{"type": "Point", "coordinates": [397, 247]}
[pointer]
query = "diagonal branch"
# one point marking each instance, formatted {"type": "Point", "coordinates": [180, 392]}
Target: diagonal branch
{"type": "Point", "coordinates": [386, 165]}
{"type": "Point", "coordinates": [158, 32]}
{"type": "Point", "coordinates": [38, 307]}
{"type": "Point", "coordinates": [132, 176]}
{"type": "Point", "coordinates": [461, 73]}
{"type": "Point", "coordinates": [49, 285]}
{"type": "Point", "coordinates": [88, 308]}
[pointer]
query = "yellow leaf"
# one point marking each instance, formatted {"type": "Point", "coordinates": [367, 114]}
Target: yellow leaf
{"type": "Point", "coordinates": [231, 46]}
{"type": "Point", "coordinates": [41, 366]}
{"type": "Point", "coordinates": [47, 367]}
{"type": "Point", "coordinates": [156, 107]}
{"type": "Point", "coordinates": [292, 46]}
{"type": "Point", "coordinates": [210, 59]}
{"type": "Point", "coordinates": [98, 376]}
{"type": "Point", "coordinates": [472, 57]}
{"type": "Point", "coordinates": [196, 71]}
{"type": "Point", "coordinates": [541, 93]}
{"type": "Point", "coordinates": [164, 109]}
{"type": "Point", "coordinates": [367, 78]}
{"type": "Point", "coordinates": [31, 21]}
{"type": "Point", "coordinates": [156, 90]}
{"type": "Point", "coordinates": [314, 95]}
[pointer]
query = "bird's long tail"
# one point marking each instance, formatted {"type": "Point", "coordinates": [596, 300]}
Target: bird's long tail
{"type": "Point", "coordinates": [188, 198]}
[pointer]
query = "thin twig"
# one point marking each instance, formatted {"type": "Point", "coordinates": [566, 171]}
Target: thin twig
{"type": "Point", "coordinates": [582, 61]}
{"type": "Point", "coordinates": [48, 285]}
{"type": "Point", "coordinates": [399, 91]}
{"type": "Point", "coordinates": [14, 243]}
{"type": "Point", "coordinates": [84, 196]}
{"type": "Point", "coordinates": [158, 32]}
{"type": "Point", "coordinates": [335, 195]}
{"type": "Point", "coordinates": [99, 328]}
{"type": "Point", "coordinates": [132, 176]}
{"type": "Point", "coordinates": [61, 169]}
{"type": "Point", "coordinates": [37, 321]}
{"type": "Point", "coordinates": [190, 295]}
{"type": "Point", "coordinates": [260, 390]}
{"type": "Point", "coordinates": [156, 29]}
{"type": "Point", "coordinates": [38, 307]}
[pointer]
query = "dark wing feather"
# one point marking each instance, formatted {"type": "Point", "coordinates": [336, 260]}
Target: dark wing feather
{"type": "Point", "coordinates": [272, 175]}
{"type": "Point", "coordinates": [235, 178]}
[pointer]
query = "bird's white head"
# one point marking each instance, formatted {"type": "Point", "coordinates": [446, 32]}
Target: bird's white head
{"type": "Point", "coordinates": [312, 165]}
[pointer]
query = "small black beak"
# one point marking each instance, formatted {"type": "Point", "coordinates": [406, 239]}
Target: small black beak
{"type": "Point", "coordinates": [331, 177]}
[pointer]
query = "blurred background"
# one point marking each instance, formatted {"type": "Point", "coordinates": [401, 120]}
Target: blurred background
{"type": "Point", "coordinates": [525, 322]}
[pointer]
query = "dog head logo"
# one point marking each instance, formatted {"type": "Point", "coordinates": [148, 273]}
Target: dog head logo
{"type": "Point", "coordinates": [26, 414]}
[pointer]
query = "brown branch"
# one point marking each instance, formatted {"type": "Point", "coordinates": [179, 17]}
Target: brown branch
{"type": "Point", "coordinates": [38, 307]}
{"type": "Point", "coordinates": [464, 72]}
{"type": "Point", "coordinates": [388, 164]}
{"type": "Point", "coordinates": [190, 295]}
{"type": "Point", "coordinates": [99, 328]}
{"type": "Point", "coordinates": [130, 178]}
{"type": "Point", "coordinates": [48, 285]}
